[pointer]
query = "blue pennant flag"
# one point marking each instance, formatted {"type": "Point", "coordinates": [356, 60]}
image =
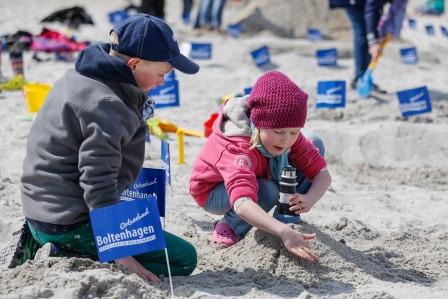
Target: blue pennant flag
{"type": "Point", "coordinates": [247, 90]}
{"type": "Point", "coordinates": [430, 30]}
{"type": "Point", "coordinates": [414, 101]}
{"type": "Point", "coordinates": [127, 229]}
{"type": "Point", "coordinates": [201, 51]}
{"type": "Point", "coordinates": [409, 55]}
{"type": "Point", "coordinates": [314, 34]}
{"type": "Point", "coordinates": [412, 23]}
{"type": "Point", "coordinates": [234, 30]}
{"type": "Point", "coordinates": [150, 182]}
{"type": "Point", "coordinates": [327, 57]}
{"type": "Point", "coordinates": [261, 56]}
{"type": "Point", "coordinates": [444, 31]}
{"type": "Point", "coordinates": [166, 95]}
{"type": "Point", "coordinates": [117, 16]}
{"type": "Point", "coordinates": [166, 159]}
{"type": "Point", "coordinates": [171, 76]}
{"type": "Point", "coordinates": [330, 94]}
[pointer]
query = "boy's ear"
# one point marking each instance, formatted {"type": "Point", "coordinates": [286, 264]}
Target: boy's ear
{"type": "Point", "coordinates": [132, 62]}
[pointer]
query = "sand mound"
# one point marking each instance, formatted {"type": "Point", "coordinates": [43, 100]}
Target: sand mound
{"type": "Point", "coordinates": [291, 18]}
{"type": "Point", "coordinates": [74, 278]}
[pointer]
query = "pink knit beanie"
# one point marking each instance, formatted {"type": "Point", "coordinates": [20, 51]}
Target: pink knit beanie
{"type": "Point", "coordinates": [277, 102]}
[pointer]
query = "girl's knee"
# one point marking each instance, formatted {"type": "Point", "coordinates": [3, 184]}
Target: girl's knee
{"type": "Point", "coordinates": [317, 141]}
{"type": "Point", "coordinates": [267, 193]}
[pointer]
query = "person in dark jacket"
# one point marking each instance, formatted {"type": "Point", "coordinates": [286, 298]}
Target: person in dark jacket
{"type": "Point", "coordinates": [86, 145]}
{"type": "Point", "coordinates": [364, 16]}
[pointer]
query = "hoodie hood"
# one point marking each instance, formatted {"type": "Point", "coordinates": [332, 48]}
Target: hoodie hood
{"type": "Point", "coordinates": [95, 62]}
{"type": "Point", "coordinates": [235, 120]}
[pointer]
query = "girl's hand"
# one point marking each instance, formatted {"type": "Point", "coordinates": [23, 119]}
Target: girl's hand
{"type": "Point", "coordinates": [134, 266]}
{"type": "Point", "coordinates": [300, 203]}
{"type": "Point", "coordinates": [296, 243]}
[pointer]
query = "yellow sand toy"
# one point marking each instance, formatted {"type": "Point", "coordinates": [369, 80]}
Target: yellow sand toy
{"type": "Point", "coordinates": [159, 127]}
{"type": "Point", "coordinates": [35, 94]}
{"type": "Point", "coordinates": [15, 83]}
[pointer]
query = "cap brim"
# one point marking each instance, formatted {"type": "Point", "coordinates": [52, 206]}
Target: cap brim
{"type": "Point", "coordinates": [184, 64]}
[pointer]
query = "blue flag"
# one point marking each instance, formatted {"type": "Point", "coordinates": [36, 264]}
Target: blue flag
{"type": "Point", "coordinates": [330, 94]}
{"type": "Point", "coordinates": [314, 34]}
{"type": "Point", "coordinates": [414, 101]}
{"type": "Point", "coordinates": [150, 182]}
{"type": "Point", "coordinates": [409, 55]}
{"type": "Point", "coordinates": [126, 229]}
{"type": "Point", "coordinates": [170, 76]}
{"type": "Point", "coordinates": [247, 90]}
{"type": "Point", "coordinates": [261, 56]}
{"type": "Point", "coordinates": [412, 23]}
{"type": "Point", "coordinates": [234, 30]}
{"type": "Point", "coordinates": [166, 95]}
{"type": "Point", "coordinates": [444, 31]}
{"type": "Point", "coordinates": [166, 159]}
{"type": "Point", "coordinates": [117, 16]}
{"type": "Point", "coordinates": [327, 57]}
{"type": "Point", "coordinates": [201, 51]}
{"type": "Point", "coordinates": [430, 30]}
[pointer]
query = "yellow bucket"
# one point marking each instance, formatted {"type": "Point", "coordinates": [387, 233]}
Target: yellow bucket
{"type": "Point", "coordinates": [35, 94]}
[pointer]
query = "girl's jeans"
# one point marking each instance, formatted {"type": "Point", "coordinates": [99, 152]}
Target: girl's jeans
{"type": "Point", "coordinates": [268, 192]}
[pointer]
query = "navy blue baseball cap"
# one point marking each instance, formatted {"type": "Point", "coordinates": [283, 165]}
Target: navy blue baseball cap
{"type": "Point", "coordinates": [150, 38]}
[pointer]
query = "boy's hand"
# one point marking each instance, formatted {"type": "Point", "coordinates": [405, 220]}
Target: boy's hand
{"type": "Point", "coordinates": [134, 266]}
{"type": "Point", "coordinates": [296, 243]}
{"type": "Point", "coordinates": [300, 203]}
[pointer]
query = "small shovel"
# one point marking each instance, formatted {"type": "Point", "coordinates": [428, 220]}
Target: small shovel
{"type": "Point", "coordinates": [364, 84]}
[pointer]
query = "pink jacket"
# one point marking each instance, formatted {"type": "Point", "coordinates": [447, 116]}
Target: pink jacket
{"type": "Point", "coordinates": [229, 160]}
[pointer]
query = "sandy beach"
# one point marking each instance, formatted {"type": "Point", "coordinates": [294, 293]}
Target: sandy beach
{"type": "Point", "coordinates": [382, 228]}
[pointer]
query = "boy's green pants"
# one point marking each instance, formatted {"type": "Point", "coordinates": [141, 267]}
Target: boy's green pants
{"type": "Point", "coordinates": [182, 255]}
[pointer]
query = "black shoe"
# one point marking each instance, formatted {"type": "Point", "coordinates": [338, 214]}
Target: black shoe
{"type": "Point", "coordinates": [377, 89]}
{"type": "Point", "coordinates": [353, 84]}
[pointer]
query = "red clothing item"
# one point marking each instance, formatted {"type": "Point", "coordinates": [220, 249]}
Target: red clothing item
{"type": "Point", "coordinates": [229, 160]}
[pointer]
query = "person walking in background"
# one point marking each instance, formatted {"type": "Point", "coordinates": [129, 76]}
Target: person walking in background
{"type": "Point", "coordinates": [238, 170]}
{"type": "Point", "coordinates": [210, 14]}
{"type": "Point", "coordinates": [153, 7]}
{"type": "Point", "coordinates": [87, 144]}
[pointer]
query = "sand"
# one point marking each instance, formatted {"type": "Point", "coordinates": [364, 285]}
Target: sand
{"type": "Point", "coordinates": [382, 230]}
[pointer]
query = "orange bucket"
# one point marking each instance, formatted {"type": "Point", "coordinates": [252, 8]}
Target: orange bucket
{"type": "Point", "coordinates": [35, 95]}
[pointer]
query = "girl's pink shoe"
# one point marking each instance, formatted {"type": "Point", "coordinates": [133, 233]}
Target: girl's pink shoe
{"type": "Point", "coordinates": [224, 235]}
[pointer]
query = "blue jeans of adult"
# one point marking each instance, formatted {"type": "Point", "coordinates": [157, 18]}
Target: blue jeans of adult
{"type": "Point", "coordinates": [218, 202]}
{"type": "Point", "coordinates": [204, 13]}
{"type": "Point", "coordinates": [216, 13]}
{"type": "Point", "coordinates": [360, 44]}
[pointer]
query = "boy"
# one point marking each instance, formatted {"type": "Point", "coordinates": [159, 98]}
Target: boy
{"type": "Point", "coordinates": [87, 142]}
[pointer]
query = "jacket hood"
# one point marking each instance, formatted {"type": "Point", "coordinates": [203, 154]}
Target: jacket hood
{"type": "Point", "coordinates": [95, 62]}
{"type": "Point", "coordinates": [235, 120]}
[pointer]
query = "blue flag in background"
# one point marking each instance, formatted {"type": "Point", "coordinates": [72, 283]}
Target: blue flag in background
{"type": "Point", "coordinates": [166, 159]}
{"type": "Point", "coordinates": [430, 30]}
{"type": "Point", "coordinates": [414, 101]}
{"type": "Point", "coordinates": [412, 23]}
{"type": "Point", "coordinates": [327, 57]}
{"type": "Point", "coordinates": [201, 51]}
{"type": "Point", "coordinates": [314, 34]}
{"type": "Point", "coordinates": [234, 30]}
{"type": "Point", "coordinates": [166, 95]}
{"type": "Point", "coordinates": [330, 94]}
{"type": "Point", "coordinates": [409, 55]}
{"type": "Point", "coordinates": [117, 16]}
{"type": "Point", "coordinates": [150, 182]}
{"type": "Point", "coordinates": [126, 229]}
{"type": "Point", "coordinates": [261, 56]}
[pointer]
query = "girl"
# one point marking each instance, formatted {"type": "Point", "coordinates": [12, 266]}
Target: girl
{"type": "Point", "coordinates": [236, 174]}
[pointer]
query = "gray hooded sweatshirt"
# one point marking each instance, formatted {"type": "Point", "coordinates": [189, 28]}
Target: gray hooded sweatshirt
{"type": "Point", "coordinates": [87, 142]}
